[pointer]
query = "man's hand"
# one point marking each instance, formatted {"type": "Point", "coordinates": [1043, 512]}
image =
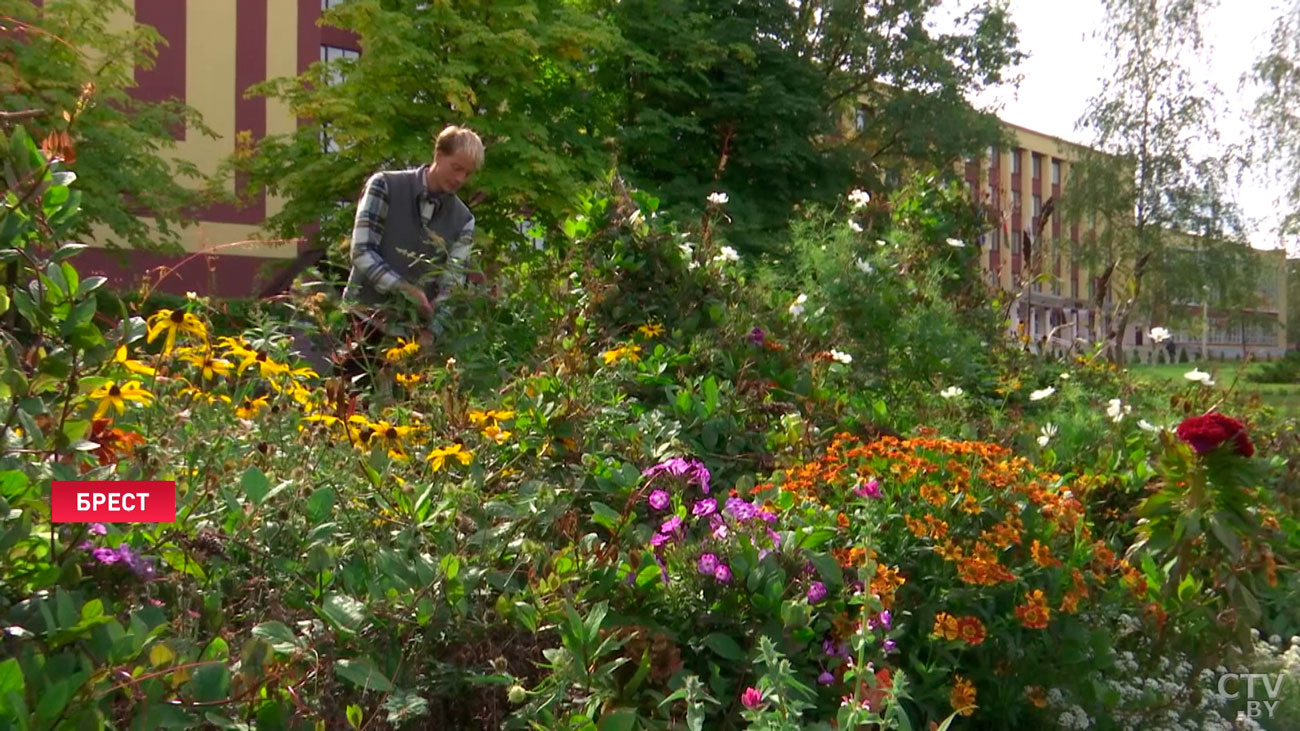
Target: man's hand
{"type": "Point", "coordinates": [421, 299]}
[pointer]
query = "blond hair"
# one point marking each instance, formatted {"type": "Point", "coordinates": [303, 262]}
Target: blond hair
{"type": "Point", "coordinates": [453, 139]}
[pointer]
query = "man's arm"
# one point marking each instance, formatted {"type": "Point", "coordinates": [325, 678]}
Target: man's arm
{"type": "Point", "coordinates": [367, 230]}
{"type": "Point", "coordinates": [457, 259]}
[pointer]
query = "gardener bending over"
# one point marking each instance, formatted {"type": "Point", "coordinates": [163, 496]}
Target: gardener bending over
{"type": "Point", "coordinates": [412, 236]}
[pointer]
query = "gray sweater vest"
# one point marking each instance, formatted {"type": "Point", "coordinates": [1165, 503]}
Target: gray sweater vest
{"type": "Point", "coordinates": [415, 251]}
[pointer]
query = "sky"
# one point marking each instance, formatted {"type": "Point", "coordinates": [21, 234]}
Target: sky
{"type": "Point", "coordinates": [1068, 61]}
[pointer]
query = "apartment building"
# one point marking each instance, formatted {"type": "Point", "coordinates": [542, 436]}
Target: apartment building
{"type": "Point", "coordinates": [1022, 186]}
{"type": "Point", "coordinates": [215, 50]}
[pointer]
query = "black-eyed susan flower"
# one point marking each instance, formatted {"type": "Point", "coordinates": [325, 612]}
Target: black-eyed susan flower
{"type": "Point", "coordinates": [134, 366]}
{"type": "Point", "coordinates": [478, 418]}
{"type": "Point", "coordinates": [409, 380]}
{"type": "Point", "coordinates": [496, 433]}
{"type": "Point", "coordinates": [172, 323]}
{"type": "Point", "coordinates": [250, 408]}
{"type": "Point", "coordinates": [404, 349]}
{"type": "Point", "coordinates": [324, 419]}
{"type": "Point", "coordinates": [114, 396]}
{"type": "Point", "coordinates": [651, 330]}
{"type": "Point", "coordinates": [393, 436]}
{"type": "Point", "coordinates": [439, 456]}
{"type": "Point", "coordinates": [208, 365]}
{"type": "Point", "coordinates": [626, 352]}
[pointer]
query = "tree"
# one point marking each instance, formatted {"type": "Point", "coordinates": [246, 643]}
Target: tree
{"type": "Point", "coordinates": [780, 103]}
{"type": "Point", "coordinates": [517, 73]}
{"type": "Point", "coordinates": [1292, 302]}
{"type": "Point", "coordinates": [1277, 110]}
{"type": "Point", "coordinates": [1148, 184]}
{"type": "Point", "coordinates": [68, 75]}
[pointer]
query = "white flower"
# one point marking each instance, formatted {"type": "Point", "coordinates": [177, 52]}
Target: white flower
{"type": "Point", "coordinates": [1041, 393]}
{"type": "Point", "coordinates": [1065, 376]}
{"type": "Point", "coordinates": [859, 198]}
{"type": "Point", "coordinates": [1145, 425]}
{"type": "Point", "coordinates": [191, 295]}
{"type": "Point", "coordinates": [1116, 410]}
{"type": "Point", "coordinates": [796, 307]}
{"type": "Point", "coordinates": [841, 357]}
{"type": "Point", "coordinates": [1159, 334]}
{"type": "Point", "coordinates": [880, 242]}
{"type": "Point", "coordinates": [951, 392]}
{"type": "Point", "coordinates": [727, 253]}
{"type": "Point", "coordinates": [718, 198]}
{"type": "Point", "coordinates": [687, 249]}
{"type": "Point", "coordinates": [1196, 374]}
{"type": "Point", "coordinates": [957, 243]}
{"type": "Point", "coordinates": [857, 227]}
{"type": "Point", "coordinates": [863, 266]}
{"type": "Point", "coordinates": [1045, 434]}
{"type": "Point", "coordinates": [636, 218]}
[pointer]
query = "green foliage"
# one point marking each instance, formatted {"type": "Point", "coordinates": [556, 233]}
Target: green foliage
{"type": "Point", "coordinates": [70, 72]}
{"type": "Point", "coordinates": [517, 74]}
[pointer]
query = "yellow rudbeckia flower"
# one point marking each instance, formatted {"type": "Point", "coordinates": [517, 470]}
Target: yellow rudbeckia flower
{"type": "Point", "coordinates": [112, 396]}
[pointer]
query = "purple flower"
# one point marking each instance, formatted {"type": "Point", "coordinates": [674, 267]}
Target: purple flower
{"type": "Point", "coordinates": [757, 335]}
{"type": "Point", "coordinates": [741, 510]}
{"type": "Point", "coordinates": [885, 618]}
{"type": "Point", "coordinates": [141, 566]}
{"type": "Point", "coordinates": [719, 526]}
{"type": "Point", "coordinates": [776, 539]}
{"type": "Point", "coordinates": [106, 555]}
{"type": "Point", "coordinates": [826, 678]}
{"type": "Point", "coordinates": [671, 524]}
{"type": "Point", "coordinates": [767, 515]}
{"type": "Point", "coordinates": [708, 564]}
{"type": "Point", "coordinates": [869, 489]}
{"type": "Point", "coordinates": [752, 698]}
{"type": "Point", "coordinates": [692, 469]}
{"type": "Point", "coordinates": [98, 529]}
{"type": "Point", "coordinates": [816, 592]}
{"type": "Point", "coordinates": [659, 499]}
{"type": "Point", "coordinates": [890, 645]}
{"type": "Point", "coordinates": [722, 574]}
{"type": "Point", "coordinates": [659, 539]}
{"type": "Point", "coordinates": [707, 506]}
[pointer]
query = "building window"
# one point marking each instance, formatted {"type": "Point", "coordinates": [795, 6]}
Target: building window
{"type": "Point", "coordinates": [860, 121]}
{"type": "Point", "coordinates": [1015, 200]}
{"type": "Point", "coordinates": [993, 156]}
{"type": "Point", "coordinates": [1056, 172]}
{"type": "Point", "coordinates": [1037, 166]}
{"type": "Point", "coordinates": [1038, 207]}
{"type": "Point", "coordinates": [1015, 162]}
{"type": "Point", "coordinates": [327, 4]}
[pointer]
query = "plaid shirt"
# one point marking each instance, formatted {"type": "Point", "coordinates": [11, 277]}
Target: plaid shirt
{"type": "Point", "coordinates": [368, 230]}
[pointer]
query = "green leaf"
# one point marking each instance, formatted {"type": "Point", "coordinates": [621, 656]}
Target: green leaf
{"type": "Point", "coordinates": [11, 680]}
{"type": "Point", "coordinates": [278, 635]}
{"type": "Point", "coordinates": [405, 704]}
{"type": "Point", "coordinates": [623, 719]}
{"type": "Point", "coordinates": [320, 504]}
{"type": "Point", "coordinates": [354, 715]}
{"type": "Point", "coordinates": [725, 646]}
{"type": "Point", "coordinates": [210, 683]}
{"type": "Point", "coordinates": [710, 395]}
{"type": "Point", "coordinates": [450, 566]}
{"type": "Point", "coordinates": [255, 485]}
{"type": "Point", "coordinates": [362, 672]}
{"type": "Point", "coordinates": [183, 562]}
{"type": "Point", "coordinates": [605, 516]}
{"type": "Point", "coordinates": [13, 484]}
{"type": "Point", "coordinates": [344, 612]}
{"type": "Point", "coordinates": [53, 699]}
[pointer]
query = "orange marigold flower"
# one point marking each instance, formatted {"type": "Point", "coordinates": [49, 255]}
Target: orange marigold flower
{"type": "Point", "coordinates": [1037, 696]}
{"type": "Point", "coordinates": [1043, 555]}
{"type": "Point", "coordinates": [971, 630]}
{"type": "Point", "coordinates": [934, 495]}
{"type": "Point", "coordinates": [962, 697]}
{"type": "Point", "coordinates": [970, 505]}
{"type": "Point", "coordinates": [946, 626]}
{"type": "Point", "coordinates": [1034, 613]}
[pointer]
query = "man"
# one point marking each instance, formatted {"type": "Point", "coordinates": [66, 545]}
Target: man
{"type": "Point", "coordinates": [413, 235]}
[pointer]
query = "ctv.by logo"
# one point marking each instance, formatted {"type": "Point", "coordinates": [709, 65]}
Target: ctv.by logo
{"type": "Point", "coordinates": [1257, 703]}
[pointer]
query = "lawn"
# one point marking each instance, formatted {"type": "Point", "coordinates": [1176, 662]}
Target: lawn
{"type": "Point", "coordinates": [1283, 396]}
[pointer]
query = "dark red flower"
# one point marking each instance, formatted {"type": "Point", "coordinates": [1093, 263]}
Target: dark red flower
{"type": "Point", "coordinates": [1206, 433]}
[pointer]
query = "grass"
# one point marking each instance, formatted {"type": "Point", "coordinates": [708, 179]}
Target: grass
{"type": "Point", "coordinates": [1285, 397]}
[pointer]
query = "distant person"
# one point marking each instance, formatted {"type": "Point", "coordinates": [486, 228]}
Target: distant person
{"type": "Point", "coordinates": [412, 237]}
